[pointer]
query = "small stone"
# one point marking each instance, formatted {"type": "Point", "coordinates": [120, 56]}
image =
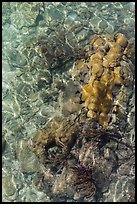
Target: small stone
{"type": "Point", "coordinates": [4, 144]}
{"type": "Point", "coordinates": [69, 22]}
{"type": "Point", "coordinates": [103, 24]}
{"type": "Point", "coordinates": [129, 22]}
{"type": "Point", "coordinates": [8, 185]}
{"type": "Point", "coordinates": [10, 33]}
{"type": "Point", "coordinates": [73, 15]}
{"type": "Point", "coordinates": [5, 66]}
{"type": "Point", "coordinates": [95, 20]}
{"type": "Point", "coordinates": [132, 136]}
{"type": "Point", "coordinates": [131, 118]}
{"type": "Point", "coordinates": [47, 111]}
{"type": "Point", "coordinates": [28, 161]}
{"type": "Point", "coordinates": [16, 57]}
{"type": "Point", "coordinates": [82, 35]}
{"type": "Point", "coordinates": [109, 29]}
{"type": "Point", "coordinates": [54, 13]}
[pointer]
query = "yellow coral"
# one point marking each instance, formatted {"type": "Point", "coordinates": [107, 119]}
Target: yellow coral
{"type": "Point", "coordinates": [118, 79]}
{"type": "Point", "coordinates": [80, 64]}
{"type": "Point", "coordinates": [121, 40]}
{"type": "Point", "coordinates": [105, 74]}
{"type": "Point", "coordinates": [91, 114]}
{"type": "Point", "coordinates": [98, 43]}
{"type": "Point", "coordinates": [113, 56]}
{"type": "Point", "coordinates": [85, 94]}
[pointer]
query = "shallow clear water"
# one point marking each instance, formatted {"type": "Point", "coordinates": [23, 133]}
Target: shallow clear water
{"type": "Point", "coordinates": [30, 89]}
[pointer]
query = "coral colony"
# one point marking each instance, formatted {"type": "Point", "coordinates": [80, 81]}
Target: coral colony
{"type": "Point", "coordinates": [106, 72]}
{"type": "Point", "coordinates": [101, 71]}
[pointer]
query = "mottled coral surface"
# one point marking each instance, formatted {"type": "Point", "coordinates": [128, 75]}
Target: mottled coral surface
{"type": "Point", "coordinates": [106, 73]}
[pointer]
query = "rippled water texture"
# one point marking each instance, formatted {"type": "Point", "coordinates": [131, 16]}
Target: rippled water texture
{"type": "Point", "coordinates": [33, 89]}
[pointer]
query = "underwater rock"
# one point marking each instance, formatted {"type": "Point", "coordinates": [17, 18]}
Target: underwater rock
{"type": "Point", "coordinates": [131, 118]}
{"type": "Point", "coordinates": [95, 24]}
{"type": "Point", "coordinates": [9, 186]}
{"type": "Point", "coordinates": [24, 15]}
{"type": "Point", "coordinates": [54, 13]}
{"type": "Point", "coordinates": [60, 48]}
{"type": "Point", "coordinates": [4, 144]}
{"type": "Point", "coordinates": [28, 160]}
{"type": "Point", "coordinates": [70, 107]}
{"type": "Point", "coordinates": [110, 29]}
{"type": "Point", "coordinates": [12, 36]}
{"type": "Point", "coordinates": [126, 195]}
{"type": "Point", "coordinates": [103, 24]}
{"type": "Point", "coordinates": [6, 7]}
{"type": "Point", "coordinates": [82, 35]}
{"type": "Point", "coordinates": [16, 58]}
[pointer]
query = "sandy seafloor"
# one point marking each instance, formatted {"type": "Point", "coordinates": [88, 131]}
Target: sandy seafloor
{"type": "Point", "coordinates": [25, 107]}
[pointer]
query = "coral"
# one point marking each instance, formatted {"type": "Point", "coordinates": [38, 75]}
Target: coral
{"type": "Point", "coordinates": [74, 160]}
{"type": "Point", "coordinates": [76, 146]}
{"type": "Point", "coordinates": [106, 73]}
{"type": "Point", "coordinates": [63, 135]}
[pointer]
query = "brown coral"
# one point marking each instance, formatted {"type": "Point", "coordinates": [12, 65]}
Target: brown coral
{"type": "Point", "coordinates": [63, 135]}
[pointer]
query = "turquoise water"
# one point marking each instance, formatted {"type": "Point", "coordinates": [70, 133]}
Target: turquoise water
{"type": "Point", "coordinates": [31, 85]}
